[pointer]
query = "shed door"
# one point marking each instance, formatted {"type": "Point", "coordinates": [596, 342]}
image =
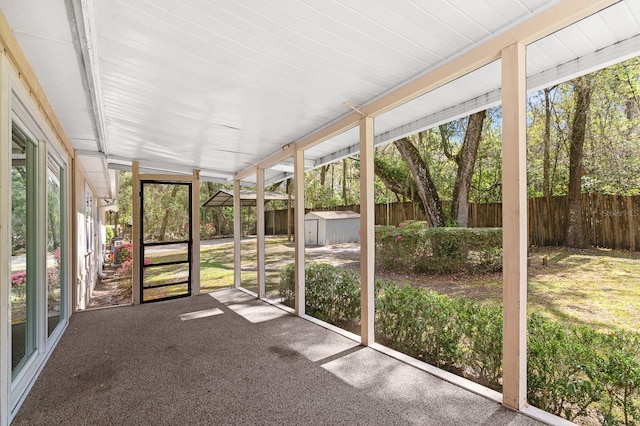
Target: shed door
{"type": "Point", "coordinates": [311, 232]}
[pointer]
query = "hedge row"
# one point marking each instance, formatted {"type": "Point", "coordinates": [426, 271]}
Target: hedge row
{"type": "Point", "coordinates": [575, 372]}
{"type": "Point", "coordinates": [332, 294]}
{"type": "Point", "coordinates": [415, 247]}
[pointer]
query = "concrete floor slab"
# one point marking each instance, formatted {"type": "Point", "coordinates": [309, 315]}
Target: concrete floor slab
{"type": "Point", "coordinates": [143, 365]}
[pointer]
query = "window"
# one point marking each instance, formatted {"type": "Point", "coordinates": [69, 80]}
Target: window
{"type": "Point", "coordinates": [88, 215]}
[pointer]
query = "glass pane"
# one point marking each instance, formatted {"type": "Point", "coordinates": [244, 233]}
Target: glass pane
{"type": "Point", "coordinates": [154, 255]}
{"type": "Point", "coordinates": [54, 238]}
{"type": "Point", "coordinates": [216, 241]}
{"type": "Point", "coordinates": [332, 243]}
{"type": "Point", "coordinates": [161, 275]}
{"type": "Point", "coordinates": [158, 293]}
{"type": "Point", "coordinates": [166, 212]}
{"type": "Point", "coordinates": [438, 270]}
{"type": "Point", "coordinates": [279, 245]}
{"type": "Point", "coordinates": [249, 245]}
{"type": "Point", "coordinates": [22, 267]}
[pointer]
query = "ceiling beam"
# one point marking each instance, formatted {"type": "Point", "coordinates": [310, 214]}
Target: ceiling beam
{"type": "Point", "coordinates": [339, 126]}
{"type": "Point", "coordinates": [82, 13]}
{"type": "Point", "coordinates": [605, 57]}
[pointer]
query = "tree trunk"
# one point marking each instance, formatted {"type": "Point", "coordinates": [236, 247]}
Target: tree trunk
{"type": "Point", "coordinates": [582, 95]}
{"type": "Point", "coordinates": [344, 181]}
{"type": "Point", "coordinates": [466, 160]}
{"type": "Point", "coordinates": [323, 174]}
{"type": "Point", "coordinates": [116, 223]}
{"type": "Point", "coordinates": [547, 142]}
{"type": "Point", "coordinates": [427, 191]}
{"type": "Point", "coordinates": [165, 219]}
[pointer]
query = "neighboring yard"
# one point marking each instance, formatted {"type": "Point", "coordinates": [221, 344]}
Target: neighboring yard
{"type": "Point", "coordinates": [591, 286]}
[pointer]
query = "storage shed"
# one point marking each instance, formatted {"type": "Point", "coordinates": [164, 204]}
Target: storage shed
{"type": "Point", "coordinates": [334, 227]}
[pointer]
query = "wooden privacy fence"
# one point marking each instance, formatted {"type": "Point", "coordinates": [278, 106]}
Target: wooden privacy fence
{"type": "Point", "coordinates": [609, 221]}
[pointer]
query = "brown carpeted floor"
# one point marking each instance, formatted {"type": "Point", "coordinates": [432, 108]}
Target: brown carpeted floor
{"type": "Point", "coordinates": [235, 361]}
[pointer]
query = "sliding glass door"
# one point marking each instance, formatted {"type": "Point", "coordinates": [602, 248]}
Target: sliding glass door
{"type": "Point", "coordinates": [23, 248]}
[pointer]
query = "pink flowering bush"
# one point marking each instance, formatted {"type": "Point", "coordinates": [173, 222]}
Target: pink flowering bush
{"type": "Point", "coordinates": [124, 252]}
{"type": "Point", "coordinates": [126, 268]}
{"type": "Point", "coordinates": [19, 278]}
{"type": "Point", "coordinates": [18, 284]}
{"type": "Point", "coordinates": [53, 277]}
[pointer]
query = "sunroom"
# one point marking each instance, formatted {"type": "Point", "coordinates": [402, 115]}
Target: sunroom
{"type": "Point", "coordinates": [250, 94]}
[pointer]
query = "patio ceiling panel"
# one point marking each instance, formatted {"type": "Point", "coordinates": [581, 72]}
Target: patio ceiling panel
{"type": "Point", "coordinates": [264, 74]}
{"type": "Point", "coordinates": [222, 85]}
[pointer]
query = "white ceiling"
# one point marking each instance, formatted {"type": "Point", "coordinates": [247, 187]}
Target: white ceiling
{"type": "Point", "coordinates": [219, 85]}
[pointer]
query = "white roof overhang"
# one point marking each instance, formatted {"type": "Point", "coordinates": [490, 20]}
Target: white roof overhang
{"type": "Point", "coordinates": [229, 86]}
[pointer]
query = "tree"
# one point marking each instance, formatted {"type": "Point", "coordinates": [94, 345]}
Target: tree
{"type": "Point", "coordinates": [425, 188]}
{"type": "Point", "coordinates": [582, 94]}
{"type": "Point", "coordinates": [466, 161]}
{"type": "Point", "coordinates": [547, 142]}
{"type": "Point", "coordinates": [396, 178]}
{"type": "Point", "coordinates": [167, 212]}
{"type": "Point", "coordinates": [417, 182]}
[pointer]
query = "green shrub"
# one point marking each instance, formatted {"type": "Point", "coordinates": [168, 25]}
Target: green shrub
{"type": "Point", "coordinates": [619, 369]}
{"type": "Point", "coordinates": [109, 233]}
{"type": "Point", "coordinates": [422, 324]}
{"type": "Point", "coordinates": [332, 294]}
{"type": "Point", "coordinates": [482, 343]}
{"type": "Point", "coordinates": [440, 250]}
{"type": "Point", "coordinates": [574, 372]}
{"type": "Point", "coordinates": [287, 285]}
{"type": "Point", "coordinates": [561, 368]}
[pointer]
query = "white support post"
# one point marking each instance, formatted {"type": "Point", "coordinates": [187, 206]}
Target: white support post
{"type": "Point", "coordinates": [195, 229]}
{"type": "Point", "coordinates": [514, 226]}
{"type": "Point", "coordinates": [260, 232]}
{"type": "Point", "coordinates": [136, 232]}
{"type": "Point", "coordinates": [237, 234]}
{"type": "Point", "coordinates": [298, 176]}
{"type": "Point", "coordinates": [367, 232]}
{"type": "Point", "coordinates": [75, 242]}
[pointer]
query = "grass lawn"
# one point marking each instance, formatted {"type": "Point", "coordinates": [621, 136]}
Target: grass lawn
{"type": "Point", "coordinates": [591, 286]}
{"type": "Point", "coordinates": [216, 264]}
